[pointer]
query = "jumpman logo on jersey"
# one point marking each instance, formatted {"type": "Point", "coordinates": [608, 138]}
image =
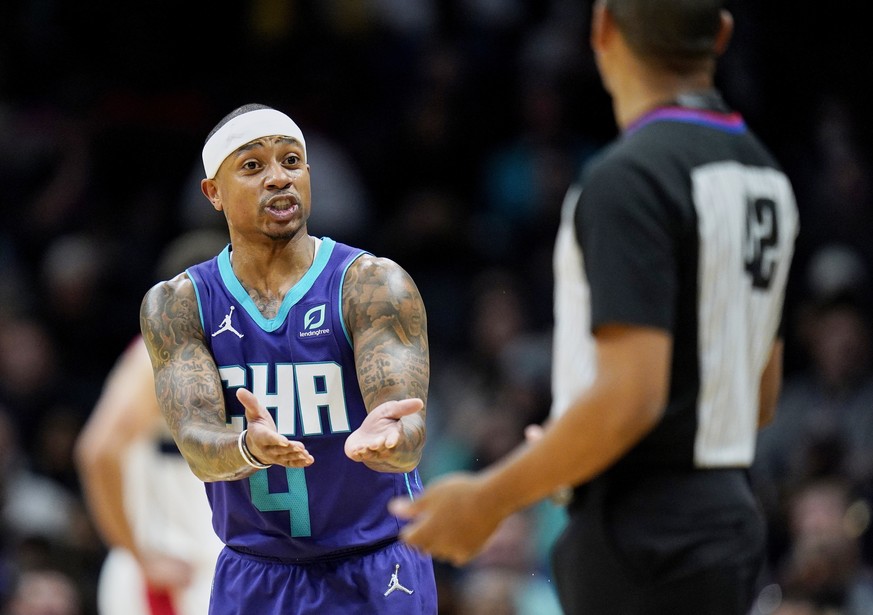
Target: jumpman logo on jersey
{"type": "Point", "coordinates": [226, 326]}
{"type": "Point", "coordinates": [394, 583]}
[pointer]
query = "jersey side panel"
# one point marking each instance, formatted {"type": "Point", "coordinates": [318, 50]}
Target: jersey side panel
{"type": "Point", "coordinates": [743, 272]}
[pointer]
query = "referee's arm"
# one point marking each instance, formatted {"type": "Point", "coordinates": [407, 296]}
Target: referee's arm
{"type": "Point", "coordinates": [771, 384]}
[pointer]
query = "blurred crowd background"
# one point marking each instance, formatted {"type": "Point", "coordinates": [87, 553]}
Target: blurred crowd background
{"type": "Point", "coordinates": [442, 134]}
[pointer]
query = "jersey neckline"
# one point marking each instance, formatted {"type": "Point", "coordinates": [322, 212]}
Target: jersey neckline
{"type": "Point", "coordinates": [725, 121]}
{"type": "Point", "coordinates": [294, 294]}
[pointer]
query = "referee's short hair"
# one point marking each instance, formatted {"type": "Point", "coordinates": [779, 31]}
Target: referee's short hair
{"type": "Point", "coordinates": [679, 35]}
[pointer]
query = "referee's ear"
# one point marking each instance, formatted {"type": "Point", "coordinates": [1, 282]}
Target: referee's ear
{"type": "Point", "coordinates": [602, 27]}
{"type": "Point", "coordinates": [725, 32]}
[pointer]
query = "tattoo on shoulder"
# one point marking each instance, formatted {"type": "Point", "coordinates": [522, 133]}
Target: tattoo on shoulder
{"type": "Point", "coordinates": [386, 317]}
{"type": "Point", "coordinates": [187, 383]}
{"type": "Point", "coordinates": [168, 316]}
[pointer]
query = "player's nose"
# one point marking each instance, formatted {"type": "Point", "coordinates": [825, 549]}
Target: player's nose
{"type": "Point", "coordinates": [277, 176]}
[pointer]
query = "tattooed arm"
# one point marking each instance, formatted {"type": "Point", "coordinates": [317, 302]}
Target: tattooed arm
{"type": "Point", "coordinates": [386, 318]}
{"type": "Point", "coordinates": [189, 391]}
{"type": "Point", "coordinates": [187, 383]}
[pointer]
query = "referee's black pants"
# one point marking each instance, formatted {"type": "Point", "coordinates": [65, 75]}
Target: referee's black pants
{"type": "Point", "coordinates": [672, 544]}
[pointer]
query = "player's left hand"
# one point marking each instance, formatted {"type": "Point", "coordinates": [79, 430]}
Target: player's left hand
{"type": "Point", "coordinates": [381, 431]}
{"type": "Point", "coordinates": [450, 520]}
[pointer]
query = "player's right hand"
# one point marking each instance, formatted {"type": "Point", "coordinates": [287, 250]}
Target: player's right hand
{"type": "Point", "coordinates": [264, 440]}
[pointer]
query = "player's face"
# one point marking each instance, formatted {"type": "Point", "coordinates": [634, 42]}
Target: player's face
{"type": "Point", "coordinates": [264, 188]}
{"type": "Point", "coordinates": [410, 313]}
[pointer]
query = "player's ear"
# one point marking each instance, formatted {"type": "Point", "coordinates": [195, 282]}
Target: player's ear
{"type": "Point", "coordinates": [725, 31]}
{"type": "Point", "coordinates": [210, 191]}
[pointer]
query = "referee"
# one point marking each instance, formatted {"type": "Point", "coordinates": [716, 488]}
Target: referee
{"type": "Point", "coordinates": [670, 263]}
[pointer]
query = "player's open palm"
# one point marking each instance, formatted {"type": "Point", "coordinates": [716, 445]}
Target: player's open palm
{"type": "Point", "coordinates": [264, 440]}
{"type": "Point", "coordinates": [381, 431]}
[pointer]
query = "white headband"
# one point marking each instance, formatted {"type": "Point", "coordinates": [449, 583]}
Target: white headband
{"type": "Point", "coordinates": [246, 128]}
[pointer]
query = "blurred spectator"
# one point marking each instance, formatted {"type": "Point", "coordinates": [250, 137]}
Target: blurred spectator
{"type": "Point", "coordinates": [434, 142]}
{"type": "Point", "coordinates": [823, 564]}
{"type": "Point", "coordinates": [794, 606]}
{"type": "Point", "coordinates": [45, 592]}
{"type": "Point", "coordinates": [31, 376]}
{"type": "Point", "coordinates": [831, 401]}
{"type": "Point", "coordinates": [488, 590]}
{"type": "Point", "coordinates": [411, 18]}
{"type": "Point", "coordinates": [786, 606]}
{"type": "Point", "coordinates": [33, 506]}
{"type": "Point", "coordinates": [342, 201]}
{"type": "Point", "coordinates": [73, 284]}
{"type": "Point", "coordinates": [496, 315]}
{"type": "Point", "coordinates": [836, 268]}
{"type": "Point", "coordinates": [823, 424]}
{"type": "Point", "coordinates": [45, 158]}
{"type": "Point", "coordinates": [840, 191]}
{"type": "Point", "coordinates": [510, 572]}
{"type": "Point", "coordinates": [16, 293]}
{"type": "Point", "coordinates": [525, 179]}
{"type": "Point", "coordinates": [55, 436]}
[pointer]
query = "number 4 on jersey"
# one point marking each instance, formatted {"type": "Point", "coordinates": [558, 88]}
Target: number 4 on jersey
{"type": "Point", "coordinates": [315, 390]}
{"type": "Point", "coordinates": [295, 500]}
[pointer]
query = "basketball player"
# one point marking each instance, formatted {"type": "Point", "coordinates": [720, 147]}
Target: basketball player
{"type": "Point", "coordinates": [147, 505]}
{"type": "Point", "coordinates": [671, 264]}
{"type": "Point", "coordinates": [293, 373]}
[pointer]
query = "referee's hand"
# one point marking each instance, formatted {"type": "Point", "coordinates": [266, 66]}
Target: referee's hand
{"type": "Point", "coordinates": [447, 520]}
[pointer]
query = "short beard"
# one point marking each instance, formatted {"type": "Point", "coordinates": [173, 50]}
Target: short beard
{"type": "Point", "coordinates": [287, 235]}
{"type": "Point", "coordinates": [282, 236]}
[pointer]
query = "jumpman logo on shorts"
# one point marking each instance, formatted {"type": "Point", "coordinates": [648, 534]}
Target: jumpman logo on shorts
{"type": "Point", "coordinates": [226, 326]}
{"type": "Point", "coordinates": [394, 583]}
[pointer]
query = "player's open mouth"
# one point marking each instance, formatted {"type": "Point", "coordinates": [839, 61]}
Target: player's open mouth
{"type": "Point", "coordinates": [282, 206]}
